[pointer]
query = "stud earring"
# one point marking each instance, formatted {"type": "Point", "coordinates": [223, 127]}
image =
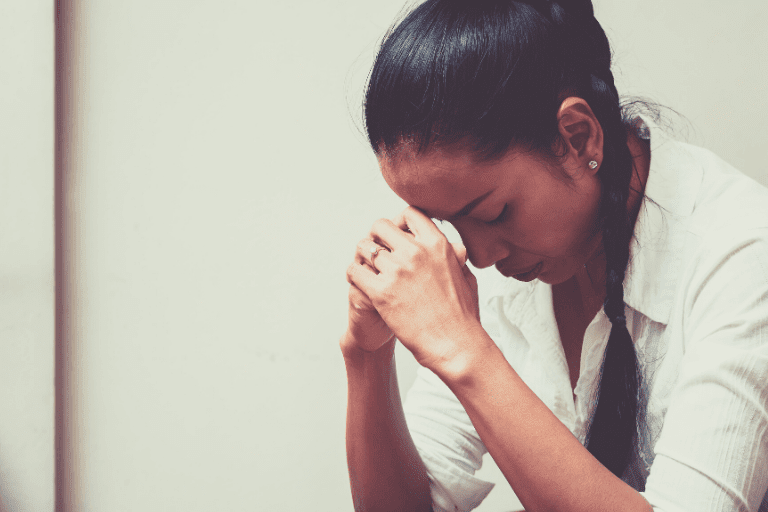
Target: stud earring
{"type": "Point", "coordinates": [592, 164]}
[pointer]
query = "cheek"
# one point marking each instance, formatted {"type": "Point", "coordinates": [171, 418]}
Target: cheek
{"type": "Point", "coordinates": [574, 216]}
{"type": "Point", "coordinates": [542, 227]}
{"type": "Point", "coordinates": [553, 231]}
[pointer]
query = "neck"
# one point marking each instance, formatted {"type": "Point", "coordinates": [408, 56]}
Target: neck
{"type": "Point", "coordinates": [590, 279]}
{"type": "Point", "coordinates": [589, 282]}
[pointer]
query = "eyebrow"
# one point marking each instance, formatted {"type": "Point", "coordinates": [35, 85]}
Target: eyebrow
{"type": "Point", "coordinates": [471, 206]}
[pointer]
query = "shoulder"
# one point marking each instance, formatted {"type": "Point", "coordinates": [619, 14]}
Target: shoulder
{"type": "Point", "coordinates": [727, 200]}
{"type": "Point", "coordinates": [703, 226]}
{"type": "Point", "coordinates": [711, 202]}
{"type": "Point", "coordinates": [729, 212]}
{"type": "Point", "coordinates": [722, 244]}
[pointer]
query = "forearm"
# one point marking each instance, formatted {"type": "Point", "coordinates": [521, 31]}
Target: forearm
{"type": "Point", "coordinates": [544, 463]}
{"type": "Point", "coordinates": [385, 470]}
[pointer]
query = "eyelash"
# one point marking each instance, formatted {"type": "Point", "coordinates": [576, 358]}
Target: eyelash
{"type": "Point", "coordinates": [498, 220]}
{"type": "Point", "coordinates": [502, 216]}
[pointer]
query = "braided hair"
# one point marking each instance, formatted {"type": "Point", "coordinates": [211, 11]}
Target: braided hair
{"type": "Point", "coordinates": [492, 73]}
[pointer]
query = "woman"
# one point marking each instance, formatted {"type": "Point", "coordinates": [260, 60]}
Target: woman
{"type": "Point", "coordinates": [618, 358]}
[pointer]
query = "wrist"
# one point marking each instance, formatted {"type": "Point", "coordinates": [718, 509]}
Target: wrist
{"type": "Point", "coordinates": [355, 356]}
{"type": "Point", "coordinates": [463, 366]}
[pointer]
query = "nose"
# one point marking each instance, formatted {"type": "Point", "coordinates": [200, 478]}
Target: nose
{"type": "Point", "coordinates": [483, 247]}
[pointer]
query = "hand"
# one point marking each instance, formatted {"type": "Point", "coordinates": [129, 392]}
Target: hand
{"type": "Point", "coordinates": [366, 329]}
{"type": "Point", "coordinates": [419, 286]}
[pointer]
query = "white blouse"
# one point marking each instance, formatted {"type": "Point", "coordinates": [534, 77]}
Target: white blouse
{"type": "Point", "coordinates": [696, 301]}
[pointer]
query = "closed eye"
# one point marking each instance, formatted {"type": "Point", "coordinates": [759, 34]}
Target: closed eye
{"type": "Point", "coordinates": [501, 218]}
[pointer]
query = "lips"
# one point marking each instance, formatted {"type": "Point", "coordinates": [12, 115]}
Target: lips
{"type": "Point", "coordinates": [525, 276]}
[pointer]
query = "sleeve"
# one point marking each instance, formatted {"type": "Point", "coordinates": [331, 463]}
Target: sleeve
{"type": "Point", "coordinates": [444, 435]}
{"type": "Point", "coordinates": [448, 444]}
{"type": "Point", "coordinates": [712, 453]}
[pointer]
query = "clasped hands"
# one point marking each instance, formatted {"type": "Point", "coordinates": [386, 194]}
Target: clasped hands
{"type": "Point", "coordinates": [408, 281]}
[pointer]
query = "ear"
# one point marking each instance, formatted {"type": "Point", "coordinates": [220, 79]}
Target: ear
{"type": "Point", "coordinates": [582, 134]}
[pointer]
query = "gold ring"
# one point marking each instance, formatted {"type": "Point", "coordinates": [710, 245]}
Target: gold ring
{"type": "Point", "coordinates": [375, 252]}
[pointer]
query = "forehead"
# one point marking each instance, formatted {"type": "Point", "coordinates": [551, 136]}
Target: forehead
{"type": "Point", "coordinates": [438, 180]}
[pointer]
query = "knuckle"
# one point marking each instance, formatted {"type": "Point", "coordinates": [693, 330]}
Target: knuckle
{"type": "Point", "coordinates": [407, 251]}
{"type": "Point", "coordinates": [379, 224]}
{"type": "Point", "coordinates": [362, 245]}
{"type": "Point", "coordinates": [383, 297]}
{"type": "Point", "coordinates": [441, 245]}
{"type": "Point", "coordinates": [417, 252]}
{"type": "Point", "coordinates": [399, 272]}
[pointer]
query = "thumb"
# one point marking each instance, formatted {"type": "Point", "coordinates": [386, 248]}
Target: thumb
{"type": "Point", "coordinates": [461, 253]}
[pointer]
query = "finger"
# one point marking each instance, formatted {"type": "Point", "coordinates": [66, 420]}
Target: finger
{"type": "Point", "coordinates": [417, 223]}
{"type": "Point", "coordinates": [358, 299]}
{"type": "Point", "coordinates": [362, 250]}
{"type": "Point", "coordinates": [363, 277]}
{"type": "Point", "coordinates": [387, 234]}
{"type": "Point", "coordinates": [470, 277]}
{"type": "Point", "coordinates": [370, 253]}
{"type": "Point", "coordinates": [471, 280]}
{"type": "Point", "coordinates": [461, 253]}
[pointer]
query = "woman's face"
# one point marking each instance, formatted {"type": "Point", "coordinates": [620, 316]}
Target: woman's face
{"type": "Point", "coordinates": [527, 217]}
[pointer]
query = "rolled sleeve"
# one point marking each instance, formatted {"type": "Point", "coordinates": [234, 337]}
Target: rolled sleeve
{"type": "Point", "coordinates": [712, 454]}
{"type": "Point", "coordinates": [448, 444]}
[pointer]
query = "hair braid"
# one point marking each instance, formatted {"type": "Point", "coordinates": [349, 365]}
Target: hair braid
{"type": "Point", "coordinates": [612, 432]}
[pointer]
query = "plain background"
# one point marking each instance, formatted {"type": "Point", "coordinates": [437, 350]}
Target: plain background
{"type": "Point", "coordinates": [222, 184]}
{"type": "Point", "coordinates": [26, 255]}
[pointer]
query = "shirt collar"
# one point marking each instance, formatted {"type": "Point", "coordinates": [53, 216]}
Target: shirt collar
{"type": "Point", "coordinates": [660, 231]}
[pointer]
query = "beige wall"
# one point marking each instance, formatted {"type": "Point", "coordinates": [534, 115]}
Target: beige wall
{"type": "Point", "coordinates": [222, 187]}
{"type": "Point", "coordinates": [26, 255]}
{"type": "Point", "coordinates": [706, 60]}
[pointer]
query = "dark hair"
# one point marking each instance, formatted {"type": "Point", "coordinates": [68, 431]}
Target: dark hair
{"type": "Point", "coordinates": [493, 73]}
